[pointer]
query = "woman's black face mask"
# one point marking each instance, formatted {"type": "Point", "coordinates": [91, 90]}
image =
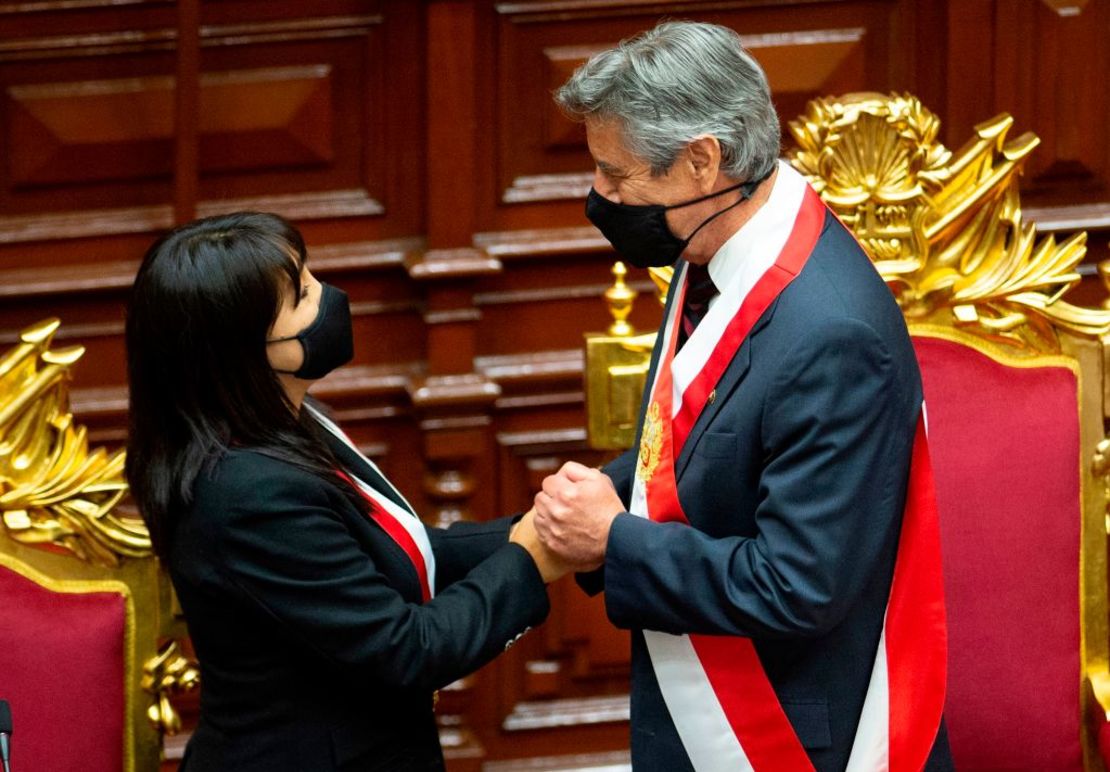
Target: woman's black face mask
{"type": "Point", "coordinates": [639, 232]}
{"type": "Point", "coordinates": [328, 341]}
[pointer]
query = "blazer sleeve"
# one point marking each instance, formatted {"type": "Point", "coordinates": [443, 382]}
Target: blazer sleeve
{"type": "Point", "coordinates": [280, 544]}
{"type": "Point", "coordinates": [463, 545]}
{"type": "Point", "coordinates": [837, 435]}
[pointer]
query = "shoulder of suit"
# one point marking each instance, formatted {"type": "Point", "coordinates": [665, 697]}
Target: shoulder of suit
{"type": "Point", "coordinates": [244, 474]}
{"type": "Point", "coordinates": [839, 281]}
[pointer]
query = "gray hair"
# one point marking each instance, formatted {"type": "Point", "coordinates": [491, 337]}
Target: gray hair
{"type": "Point", "coordinates": [677, 82]}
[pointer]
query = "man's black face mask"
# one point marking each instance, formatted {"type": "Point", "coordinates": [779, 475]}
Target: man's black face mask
{"type": "Point", "coordinates": [639, 232]}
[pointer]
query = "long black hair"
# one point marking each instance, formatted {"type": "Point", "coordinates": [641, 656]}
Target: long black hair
{"type": "Point", "coordinates": [203, 302]}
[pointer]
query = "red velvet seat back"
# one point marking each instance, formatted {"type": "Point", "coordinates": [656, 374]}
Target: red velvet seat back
{"type": "Point", "coordinates": [1005, 448]}
{"type": "Point", "coordinates": [62, 670]}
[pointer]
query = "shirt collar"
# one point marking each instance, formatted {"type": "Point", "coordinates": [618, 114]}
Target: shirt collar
{"type": "Point", "coordinates": [733, 256]}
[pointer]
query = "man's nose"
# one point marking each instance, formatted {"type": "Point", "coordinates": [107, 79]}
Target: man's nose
{"type": "Point", "coordinates": [605, 187]}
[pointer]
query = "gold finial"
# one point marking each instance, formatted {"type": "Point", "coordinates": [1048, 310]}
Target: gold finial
{"type": "Point", "coordinates": [620, 298]}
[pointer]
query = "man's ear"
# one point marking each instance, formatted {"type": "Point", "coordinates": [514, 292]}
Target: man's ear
{"type": "Point", "coordinates": [704, 159]}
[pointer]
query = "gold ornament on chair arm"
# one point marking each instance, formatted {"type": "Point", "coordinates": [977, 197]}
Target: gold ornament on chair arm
{"type": "Point", "coordinates": [53, 490]}
{"type": "Point", "coordinates": [943, 229]}
{"type": "Point", "coordinates": [165, 675]}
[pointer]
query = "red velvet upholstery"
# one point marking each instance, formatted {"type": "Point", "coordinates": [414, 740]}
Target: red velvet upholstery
{"type": "Point", "coordinates": [62, 670]}
{"type": "Point", "coordinates": [1005, 447]}
{"type": "Point", "coordinates": [1102, 734]}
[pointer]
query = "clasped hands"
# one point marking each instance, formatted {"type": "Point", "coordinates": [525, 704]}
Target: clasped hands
{"type": "Point", "coordinates": [568, 527]}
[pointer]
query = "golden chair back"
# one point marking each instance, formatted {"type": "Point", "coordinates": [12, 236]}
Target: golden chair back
{"type": "Point", "coordinates": [65, 531]}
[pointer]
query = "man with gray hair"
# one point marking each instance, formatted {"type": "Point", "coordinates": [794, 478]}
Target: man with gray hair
{"type": "Point", "coordinates": [772, 541]}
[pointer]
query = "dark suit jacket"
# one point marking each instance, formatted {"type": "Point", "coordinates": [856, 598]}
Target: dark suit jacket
{"type": "Point", "coordinates": [315, 651]}
{"type": "Point", "coordinates": [794, 481]}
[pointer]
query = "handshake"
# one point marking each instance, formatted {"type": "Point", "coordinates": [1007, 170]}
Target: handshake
{"type": "Point", "coordinates": [568, 527]}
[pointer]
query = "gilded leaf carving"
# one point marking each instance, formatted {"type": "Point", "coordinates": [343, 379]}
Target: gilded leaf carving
{"type": "Point", "coordinates": [54, 490]}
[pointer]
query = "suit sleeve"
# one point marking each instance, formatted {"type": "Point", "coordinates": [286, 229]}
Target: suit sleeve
{"type": "Point", "coordinates": [621, 471]}
{"type": "Point", "coordinates": [463, 545]}
{"type": "Point", "coordinates": [837, 437]}
{"type": "Point", "coordinates": [282, 546]}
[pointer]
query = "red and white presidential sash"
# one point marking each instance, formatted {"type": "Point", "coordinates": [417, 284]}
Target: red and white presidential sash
{"type": "Point", "coordinates": [402, 525]}
{"type": "Point", "coordinates": [720, 699]}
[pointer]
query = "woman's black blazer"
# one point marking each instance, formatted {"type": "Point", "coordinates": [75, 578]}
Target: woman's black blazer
{"type": "Point", "coordinates": [315, 650]}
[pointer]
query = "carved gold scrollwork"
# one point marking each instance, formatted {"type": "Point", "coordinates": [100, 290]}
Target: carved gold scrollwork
{"type": "Point", "coordinates": [1100, 467]}
{"type": "Point", "coordinates": [53, 489]}
{"type": "Point", "coordinates": [164, 675]}
{"type": "Point", "coordinates": [944, 229]}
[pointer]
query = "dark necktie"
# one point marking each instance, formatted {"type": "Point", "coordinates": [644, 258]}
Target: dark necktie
{"type": "Point", "coordinates": [700, 289]}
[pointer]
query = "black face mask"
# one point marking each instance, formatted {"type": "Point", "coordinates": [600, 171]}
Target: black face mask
{"type": "Point", "coordinates": [327, 342]}
{"type": "Point", "coordinates": [640, 233]}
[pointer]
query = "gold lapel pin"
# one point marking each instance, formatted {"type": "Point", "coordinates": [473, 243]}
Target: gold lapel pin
{"type": "Point", "coordinates": [712, 397]}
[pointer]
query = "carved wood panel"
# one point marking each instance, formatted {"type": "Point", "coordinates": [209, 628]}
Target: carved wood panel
{"type": "Point", "coordinates": [296, 111]}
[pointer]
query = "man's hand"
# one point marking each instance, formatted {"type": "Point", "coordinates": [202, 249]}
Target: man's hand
{"type": "Point", "coordinates": [574, 512]}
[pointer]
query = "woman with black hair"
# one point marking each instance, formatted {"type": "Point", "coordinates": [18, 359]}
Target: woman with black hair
{"type": "Point", "coordinates": [324, 614]}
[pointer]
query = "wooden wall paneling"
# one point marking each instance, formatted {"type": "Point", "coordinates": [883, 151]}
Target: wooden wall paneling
{"type": "Point", "coordinates": [69, 154]}
{"type": "Point", "coordinates": [967, 47]}
{"type": "Point", "coordinates": [294, 115]}
{"type": "Point", "coordinates": [1043, 62]}
{"type": "Point", "coordinates": [286, 126]}
{"type": "Point", "coordinates": [187, 113]}
{"type": "Point", "coordinates": [1050, 63]}
{"type": "Point", "coordinates": [452, 398]}
{"type": "Point", "coordinates": [569, 678]}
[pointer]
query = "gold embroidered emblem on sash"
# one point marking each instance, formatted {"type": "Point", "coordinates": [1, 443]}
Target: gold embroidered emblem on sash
{"type": "Point", "coordinates": [651, 443]}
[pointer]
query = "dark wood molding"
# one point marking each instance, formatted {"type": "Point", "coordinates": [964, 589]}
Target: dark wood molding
{"type": "Point", "coordinates": [465, 389]}
{"type": "Point", "coordinates": [1066, 218]}
{"type": "Point", "coordinates": [314, 205]}
{"type": "Point", "coordinates": [87, 223]}
{"type": "Point", "coordinates": [91, 44]}
{"type": "Point", "coordinates": [333, 204]}
{"type": "Point", "coordinates": [441, 264]}
{"type": "Point", "coordinates": [53, 6]}
{"type": "Point", "coordinates": [553, 10]}
{"type": "Point", "coordinates": [544, 440]}
{"type": "Point", "coordinates": [566, 712]}
{"type": "Point", "coordinates": [616, 761]}
{"type": "Point", "coordinates": [509, 245]}
{"type": "Point", "coordinates": [533, 367]}
{"type": "Point", "coordinates": [326, 260]}
{"type": "Point", "coordinates": [549, 187]}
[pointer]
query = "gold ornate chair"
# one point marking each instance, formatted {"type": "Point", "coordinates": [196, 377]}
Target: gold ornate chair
{"type": "Point", "coordinates": [87, 656]}
{"type": "Point", "coordinates": [1017, 396]}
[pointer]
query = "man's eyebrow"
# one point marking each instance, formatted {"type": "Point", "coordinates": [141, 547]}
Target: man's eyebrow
{"type": "Point", "coordinates": [608, 168]}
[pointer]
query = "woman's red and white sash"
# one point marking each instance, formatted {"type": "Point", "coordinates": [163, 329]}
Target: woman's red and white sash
{"type": "Point", "coordinates": [402, 525]}
{"type": "Point", "coordinates": [723, 705]}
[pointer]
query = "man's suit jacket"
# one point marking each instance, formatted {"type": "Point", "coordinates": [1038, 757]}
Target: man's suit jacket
{"type": "Point", "coordinates": [315, 650]}
{"type": "Point", "coordinates": [794, 482]}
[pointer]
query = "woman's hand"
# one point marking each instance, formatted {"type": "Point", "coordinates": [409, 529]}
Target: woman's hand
{"type": "Point", "coordinates": [550, 565]}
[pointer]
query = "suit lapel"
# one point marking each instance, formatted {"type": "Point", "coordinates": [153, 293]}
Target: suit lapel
{"type": "Point", "coordinates": [357, 465]}
{"type": "Point", "coordinates": [733, 375]}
